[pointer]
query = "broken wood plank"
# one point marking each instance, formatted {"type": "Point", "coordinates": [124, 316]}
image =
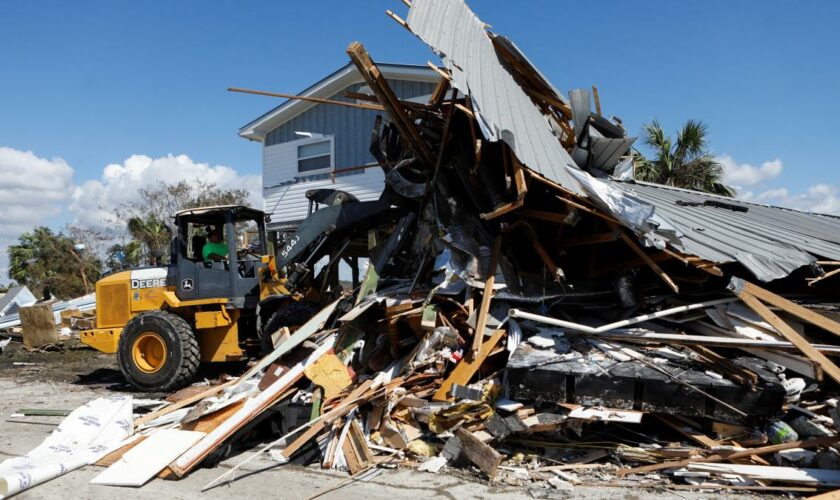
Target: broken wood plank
{"type": "Point", "coordinates": [779, 324]}
{"type": "Point", "coordinates": [506, 208]}
{"type": "Point", "coordinates": [597, 100]}
{"type": "Point", "coordinates": [356, 449]}
{"type": "Point", "coordinates": [786, 305]}
{"type": "Point", "coordinates": [467, 367]}
{"type": "Point", "coordinates": [486, 297]}
{"type": "Point", "coordinates": [558, 217]}
{"type": "Point", "coordinates": [823, 477]}
{"type": "Point", "coordinates": [347, 104]}
{"type": "Point", "coordinates": [718, 457]}
{"type": "Point", "coordinates": [327, 418]}
{"type": "Point", "coordinates": [653, 265]}
{"type": "Point", "coordinates": [687, 431]}
{"type": "Point", "coordinates": [248, 412]}
{"type": "Point", "coordinates": [590, 239]}
{"type": "Point", "coordinates": [406, 126]}
{"type": "Point", "coordinates": [212, 391]}
{"type": "Point", "coordinates": [482, 455]}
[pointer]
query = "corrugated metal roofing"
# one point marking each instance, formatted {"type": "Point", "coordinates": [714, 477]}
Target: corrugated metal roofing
{"type": "Point", "coordinates": [505, 110]}
{"type": "Point", "coordinates": [770, 241]}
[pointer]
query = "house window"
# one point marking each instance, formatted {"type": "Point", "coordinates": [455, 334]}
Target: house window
{"type": "Point", "coordinates": [315, 156]}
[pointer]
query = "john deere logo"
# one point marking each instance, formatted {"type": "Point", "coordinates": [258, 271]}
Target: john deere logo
{"type": "Point", "coordinates": [186, 284]}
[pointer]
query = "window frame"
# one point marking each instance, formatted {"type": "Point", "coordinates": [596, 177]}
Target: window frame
{"type": "Point", "coordinates": [320, 171]}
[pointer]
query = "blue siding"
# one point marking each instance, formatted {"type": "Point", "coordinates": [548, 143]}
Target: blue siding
{"type": "Point", "coordinates": [350, 126]}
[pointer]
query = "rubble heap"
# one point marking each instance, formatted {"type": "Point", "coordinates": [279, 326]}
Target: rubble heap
{"type": "Point", "coordinates": [529, 315]}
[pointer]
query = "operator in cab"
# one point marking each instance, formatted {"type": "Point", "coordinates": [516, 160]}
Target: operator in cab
{"type": "Point", "coordinates": [215, 248]}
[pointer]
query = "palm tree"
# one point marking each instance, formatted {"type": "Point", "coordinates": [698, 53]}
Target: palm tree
{"type": "Point", "coordinates": [684, 163]}
{"type": "Point", "coordinates": [150, 232]}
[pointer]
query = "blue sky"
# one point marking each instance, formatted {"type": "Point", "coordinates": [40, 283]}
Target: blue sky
{"type": "Point", "coordinates": [94, 83]}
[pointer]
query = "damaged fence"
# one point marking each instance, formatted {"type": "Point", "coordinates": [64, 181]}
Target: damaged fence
{"type": "Point", "coordinates": [531, 317]}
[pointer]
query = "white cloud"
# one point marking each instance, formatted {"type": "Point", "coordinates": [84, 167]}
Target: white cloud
{"type": "Point", "coordinates": [32, 189]}
{"type": "Point", "coordinates": [94, 202]}
{"type": "Point", "coordinates": [821, 198]}
{"type": "Point", "coordinates": [742, 175]}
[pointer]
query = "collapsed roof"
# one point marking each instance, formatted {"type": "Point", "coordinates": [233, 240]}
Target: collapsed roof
{"type": "Point", "coordinates": [515, 103]}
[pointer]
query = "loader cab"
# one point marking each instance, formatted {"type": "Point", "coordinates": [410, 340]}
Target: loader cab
{"type": "Point", "coordinates": [237, 236]}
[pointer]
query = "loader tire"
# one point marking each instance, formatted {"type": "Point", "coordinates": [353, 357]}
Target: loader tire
{"type": "Point", "coordinates": [293, 316]}
{"type": "Point", "coordinates": [158, 351]}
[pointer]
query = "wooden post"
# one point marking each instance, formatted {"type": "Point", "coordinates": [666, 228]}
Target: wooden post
{"type": "Point", "coordinates": [792, 308]}
{"type": "Point", "coordinates": [645, 257]}
{"type": "Point", "coordinates": [38, 324]}
{"type": "Point", "coordinates": [740, 288]}
{"type": "Point", "coordinates": [487, 295]}
{"type": "Point", "coordinates": [373, 77]}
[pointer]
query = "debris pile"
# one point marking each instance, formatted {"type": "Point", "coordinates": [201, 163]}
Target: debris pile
{"type": "Point", "coordinates": [529, 317]}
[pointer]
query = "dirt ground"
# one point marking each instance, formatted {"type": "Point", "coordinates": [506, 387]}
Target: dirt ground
{"type": "Point", "coordinates": [75, 364]}
{"type": "Point", "coordinates": [69, 378]}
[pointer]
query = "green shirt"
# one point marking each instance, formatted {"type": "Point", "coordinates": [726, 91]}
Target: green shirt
{"type": "Point", "coordinates": [216, 248]}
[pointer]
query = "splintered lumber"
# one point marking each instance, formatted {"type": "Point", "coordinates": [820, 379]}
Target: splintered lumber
{"type": "Point", "coordinates": [405, 125]}
{"type": "Point", "coordinates": [467, 367]}
{"type": "Point", "coordinates": [327, 418]}
{"type": "Point", "coordinates": [687, 431]}
{"type": "Point", "coordinates": [823, 477]}
{"type": "Point", "coordinates": [38, 323]}
{"type": "Point", "coordinates": [789, 307]}
{"type": "Point", "coordinates": [829, 495]}
{"type": "Point", "coordinates": [482, 455]}
{"type": "Point", "coordinates": [486, 297]}
{"type": "Point", "coordinates": [144, 461]}
{"type": "Point", "coordinates": [212, 391]}
{"type": "Point", "coordinates": [764, 450]}
{"type": "Point", "coordinates": [779, 324]}
{"type": "Point", "coordinates": [348, 104]}
{"type": "Point", "coordinates": [653, 265]}
{"type": "Point", "coordinates": [248, 412]}
{"type": "Point", "coordinates": [356, 451]}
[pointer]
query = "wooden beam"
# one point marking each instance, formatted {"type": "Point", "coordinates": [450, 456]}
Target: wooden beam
{"type": "Point", "coordinates": [466, 368]}
{"type": "Point", "coordinates": [591, 239]}
{"type": "Point", "coordinates": [697, 262]}
{"type": "Point", "coordinates": [466, 110]}
{"type": "Point", "coordinates": [506, 208]}
{"type": "Point", "coordinates": [687, 431]}
{"type": "Point", "coordinates": [482, 455]}
{"type": "Point", "coordinates": [318, 100]}
{"type": "Point", "coordinates": [439, 94]}
{"type": "Point", "coordinates": [597, 100]}
{"type": "Point", "coordinates": [405, 125]}
{"type": "Point", "coordinates": [351, 94]}
{"type": "Point", "coordinates": [789, 333]}
{"type": "Point", "coordinates": [558, 217]}
{"type": "Point", "coordinates": [717, 457]}
{"type": "Point", "coordinates": [653, 265]}
{"type": "Point", "coordinates": [519, 181]}
{"type": "Point", "coordinates": [486, 296]}
{"type": "Point", "coordinates": [398, 19]}
{"type": "Point", "coordinates": [789, 307]}
{"type": "Point", "coordinates": [824, 276]}
{"type": "Point", "coordinates": [212, 391]}
{"type": "Point", "coordinates": [328, 418]}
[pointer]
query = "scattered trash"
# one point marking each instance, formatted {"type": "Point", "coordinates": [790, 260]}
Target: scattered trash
{"type": "Point", "coordinates": [529, 318]}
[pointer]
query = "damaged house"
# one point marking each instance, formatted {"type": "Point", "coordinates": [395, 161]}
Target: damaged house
{"type": "Point", "coordinates": [310, 145]}
{"type": "Point", "coordinates": [528, 313]}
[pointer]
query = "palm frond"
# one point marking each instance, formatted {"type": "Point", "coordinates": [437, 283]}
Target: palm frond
{"type": "Point", "coordinates": [691, 141]}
